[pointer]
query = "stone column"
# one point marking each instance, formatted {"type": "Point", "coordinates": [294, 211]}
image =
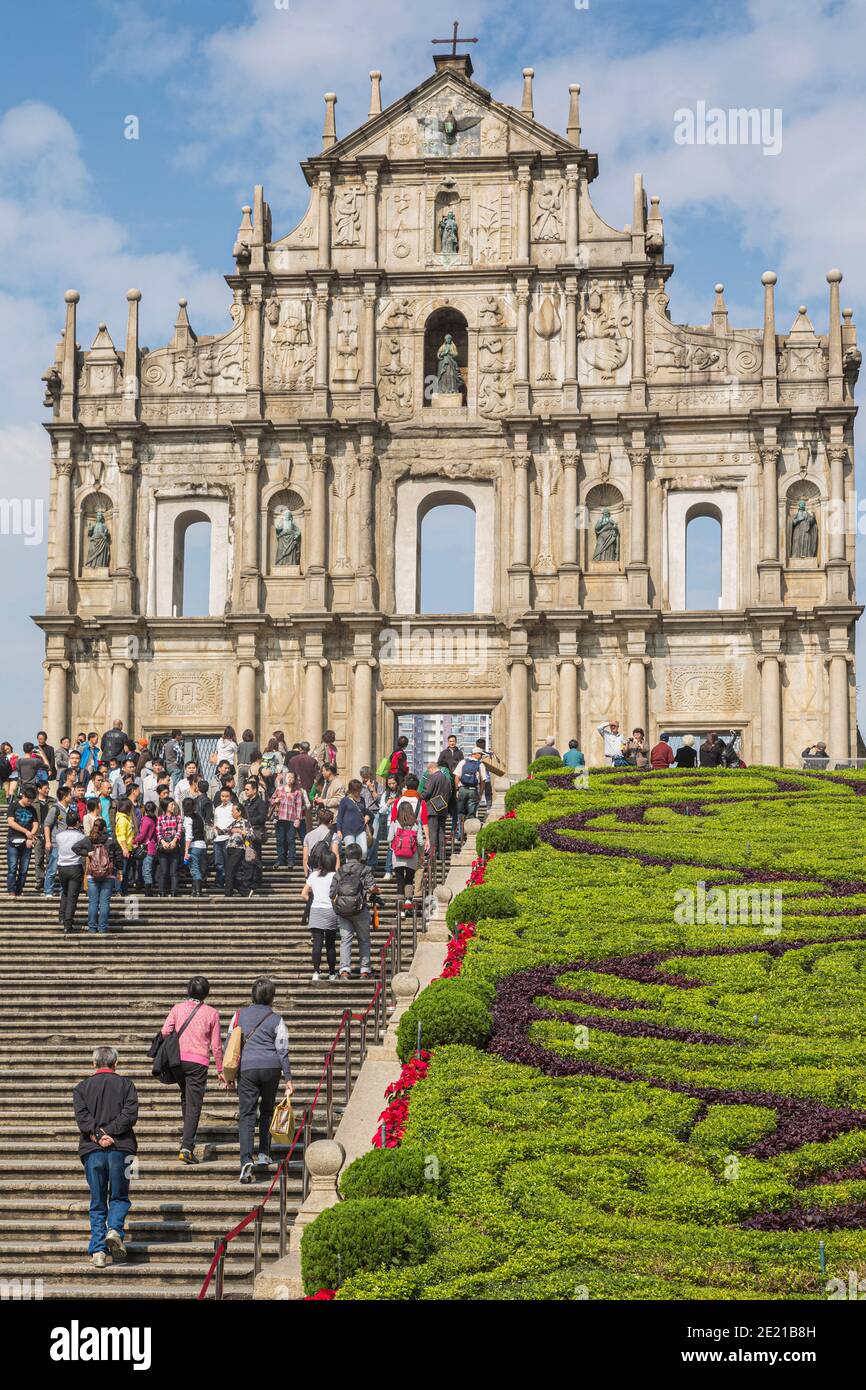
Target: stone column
{"type": "Point", "coordinates": [838, 745]}
{"type": "Point", "coordinates": [252, 465]}
{"type": "Point", "coordinates": [123, 574]}
{"type": "Point", "coordinates": [769, 380]}
{"type": "Point", "coordinates": [362, 714]}
{"type": "Point", "coordinates": [518, 715]}
{"type": "Point", "coordinates": [521, 355]}
{"type": "Point", "coordinates": [836, 511]}
{"type": "Point", "coordinates": [372, 228]}
{"type": "Point", "coordinates": [570, 331]}
{"type": "Point", "coordinates": [131, 384]}
{"type": "Point", "coordinates": [314, 692]}
{"type": "Point", "coordinates": [56, 701]}
{"type": "Point", "coordinates": [366, 464]}
{"type": "Point", "coordinates": [520, 519]}
{"type": "Point", "coordinates": [638, 346]}
{"type": "Point", "coordinates": [570, 215]}
{"type": "Point", "coordinates": [639, 459]}
{"type": "Point", "coordinates": [368, 364]}
{"type": "Point", "coordinates": [570, 461]}
{"type": "Point", "coordinates": [318, 513]}
{"type": "Point", "coordinates": [69, 373]}
{"type": "Point", "coordinates": [636, 697]}
{"type": "Point", "coordinates": [246, 707]}
{"type": "Point", "coordinates": [64, 466]}
{"type": "Point", "coordinates": [254, 362]}
{"type": "Point", "coordinates": [119, 697]}
{"type": "Point", "coordinates": [524, 186]}
{"type": "Point", "coordinates": [771, 711]}
{"type": "Point", "coordinates": [322, 305]}
{"type": "Point", "coordinates": [324, 186]}
{"type": "Point", "coordinates": [834, 342]}
{"type": "Point", "coordinates": [769, 460]}
{"type": "Point", "coordinates": [567, 721]}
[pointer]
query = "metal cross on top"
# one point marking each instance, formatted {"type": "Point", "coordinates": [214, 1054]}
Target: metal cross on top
{"type": "Point", "coordinates": [453, 40]}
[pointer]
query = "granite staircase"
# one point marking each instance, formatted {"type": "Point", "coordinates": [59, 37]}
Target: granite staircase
{"type": "Point", "coordinates": [62, 996]}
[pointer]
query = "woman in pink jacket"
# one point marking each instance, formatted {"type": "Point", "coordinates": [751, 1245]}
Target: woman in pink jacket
{"type": "Point", "coordinates": [146, 838]}
{"type": "Point", "coordinates": [198, 1028]}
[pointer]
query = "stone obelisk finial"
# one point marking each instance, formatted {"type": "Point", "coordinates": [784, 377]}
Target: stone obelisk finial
{"type": "Point", "coordinates": [329, 134]}
{"type": "Point", "coordinates": [526, 104]}
{"type": "Point", "coordinates": [834, 372]}
{"type": "Point", "coordinates": [375, 95]}
{"type": "Point", "coordinates": [572, 130]}
{"type": "Point", "coordinates": [769, 382]}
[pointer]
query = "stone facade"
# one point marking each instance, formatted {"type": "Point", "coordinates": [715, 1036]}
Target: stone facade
{"type": "Point", "coordinates": [450, 212]}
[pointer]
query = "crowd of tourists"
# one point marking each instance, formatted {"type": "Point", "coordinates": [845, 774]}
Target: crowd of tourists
{"type": "Point", "coordinates": [633, 750]}
{"type": "Point", "coordinates": [117, 815]}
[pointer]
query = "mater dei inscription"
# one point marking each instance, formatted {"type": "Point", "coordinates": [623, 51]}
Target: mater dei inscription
{"type": "Point", "coordinates": [451, 321]}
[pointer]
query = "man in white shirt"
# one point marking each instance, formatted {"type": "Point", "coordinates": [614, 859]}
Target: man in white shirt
{"type": "Point", "coordinates": [184, 786]}
{"type": "Point", "coordinates": [612, 740]}
{"type": "Point", "coordinates": [222, 819]}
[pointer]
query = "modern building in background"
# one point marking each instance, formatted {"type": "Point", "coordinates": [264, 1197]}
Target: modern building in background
{"type": "Point", "coordinates": [428, 734]}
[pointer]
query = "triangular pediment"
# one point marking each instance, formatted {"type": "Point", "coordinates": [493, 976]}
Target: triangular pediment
{"type": "Point", "coordinates": [447, 117]}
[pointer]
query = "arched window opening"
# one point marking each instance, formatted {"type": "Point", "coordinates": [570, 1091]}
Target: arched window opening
{"type": "Point", "coordinates": [446, 557]}
{"type": "Point", "coordinates": [440, 375]}
{"type": "Point", "coordinates": [703, 559]}
{"type": "Point", "coordinates": [191, 590]}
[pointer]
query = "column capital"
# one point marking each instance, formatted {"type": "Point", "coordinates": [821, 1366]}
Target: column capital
{"type": "Point", "coordinates": [768, 454]}
{"type": "Point", "coordinates": [570, 458]}
{"type": "Point", "coordinates": [319, 462]}
{"type": "Point", "coordinates": [356, 661]}
{"type": "Point", "coordinates": [521, 459]}
{"type": "Point", "coordinates": [63, 664]}
{"type": "Point", "coordinates": [572, 174]}
{"type": "Point", "coordinates": [371, 180]}
{"type": "Point", "coordinates": [325, 181]}
{"type": "Point", "coordinates": [517, 661]}
{"type": "Point", "coordinates": [64, 465]}
{"type": "Point", "coordinates": [569, 659]}
{"type": "Point", "coordinates": [638, 458]}
{"type": "Point", "coordinates": [252, 661]}
{"type": "Point", "coordinates": [836, 453]}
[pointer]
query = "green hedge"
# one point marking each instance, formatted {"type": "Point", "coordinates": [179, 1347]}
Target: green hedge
{"type": "Point", "coordinates": [403, 1172]}
{"type": "Point", "coordinates": [367, 1233]}
{"type": "Point", "coordinates": [539, 766]}
{"type": "Point", "coordinates": [449, 1011]}
{"type": "Point", "coordinates": [535, 790]}
{"type": "Point", "coordinates": [504, 836]}
{"type": "Point", "coordinates": [480, 901]}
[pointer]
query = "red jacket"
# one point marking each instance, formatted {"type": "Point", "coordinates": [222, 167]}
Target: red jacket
{"type": "Point", "coordinates": [662, 755]}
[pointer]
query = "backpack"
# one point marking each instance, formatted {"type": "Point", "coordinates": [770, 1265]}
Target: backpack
{"type": "Point", "coordinates": [165, 1052]}
{"type": "Point", "coordinates": [320, 845]}
{"type": "Point", "coordinates": [405, 842]}
{"type": "Point", "coordinates": [469, 775]}
{"type": "Point", "coordinates": [384, 766]}
{"type": "Point", "coordinates": [347, 890]}
{"type": "Point", "coordinates": [101, 866]}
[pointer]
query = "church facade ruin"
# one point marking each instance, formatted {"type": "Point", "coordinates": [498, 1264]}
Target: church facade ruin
{"type": "Point", "coordinates": [452, 321]}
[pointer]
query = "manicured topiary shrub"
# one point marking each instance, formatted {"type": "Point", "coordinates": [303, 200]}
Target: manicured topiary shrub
{"type": "Point", "coordinates": [502, 836]}
{"type": "Point", "coordinates": [403, 1172]}
{"type": "Point", "coordinates": [539, 766]}
{"type": "Point", "coordinates": [449, 1011]}
{"type": "Point", "coordinates": [366, 1233]}
{"type": "Point", "coordinates": [535, 790]}
{"type": "Point", "coordinates": [480, 901]}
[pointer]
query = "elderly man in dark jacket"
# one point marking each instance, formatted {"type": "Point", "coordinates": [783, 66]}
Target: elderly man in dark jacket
{"type": "Point", "coordinates": [106, 1109]}
{"type": "Point", "coordinates": [438, 789]}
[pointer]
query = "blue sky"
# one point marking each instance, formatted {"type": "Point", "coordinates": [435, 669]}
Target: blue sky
{"type": "Point", "coordinates": [228, 94]}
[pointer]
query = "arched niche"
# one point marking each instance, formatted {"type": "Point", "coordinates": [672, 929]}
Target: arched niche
{"type": "Point", "coordinates": [171, 519]}
{"type": "Point", "coordinates": [599, 499]}
{"type": "Point", "coordinates": [416, 498]}
{"type": "Point", "coordinates": [285, 498]}
{"type": "Point", "coordinates": [91, 504]}
{"type": "Point", "coordinates": [440, 322]}
{"type": "Point", "coordinates": [447, 200]}
{"type": "Point", "coordinates": [808, 492]}
{"type": "Point", "coordinates": [703, 562]}
{"type": "Point", "coordinates": [684, 505]}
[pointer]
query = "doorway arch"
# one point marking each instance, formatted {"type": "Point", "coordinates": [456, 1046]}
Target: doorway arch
{"type": "Point", "coordinates": [445, 578]}
{"type": "Point", "coordinates": [704, 549]}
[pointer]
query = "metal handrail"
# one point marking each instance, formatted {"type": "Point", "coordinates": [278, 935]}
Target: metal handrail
{"type": "Point", "coordinates": [303, 1134]}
